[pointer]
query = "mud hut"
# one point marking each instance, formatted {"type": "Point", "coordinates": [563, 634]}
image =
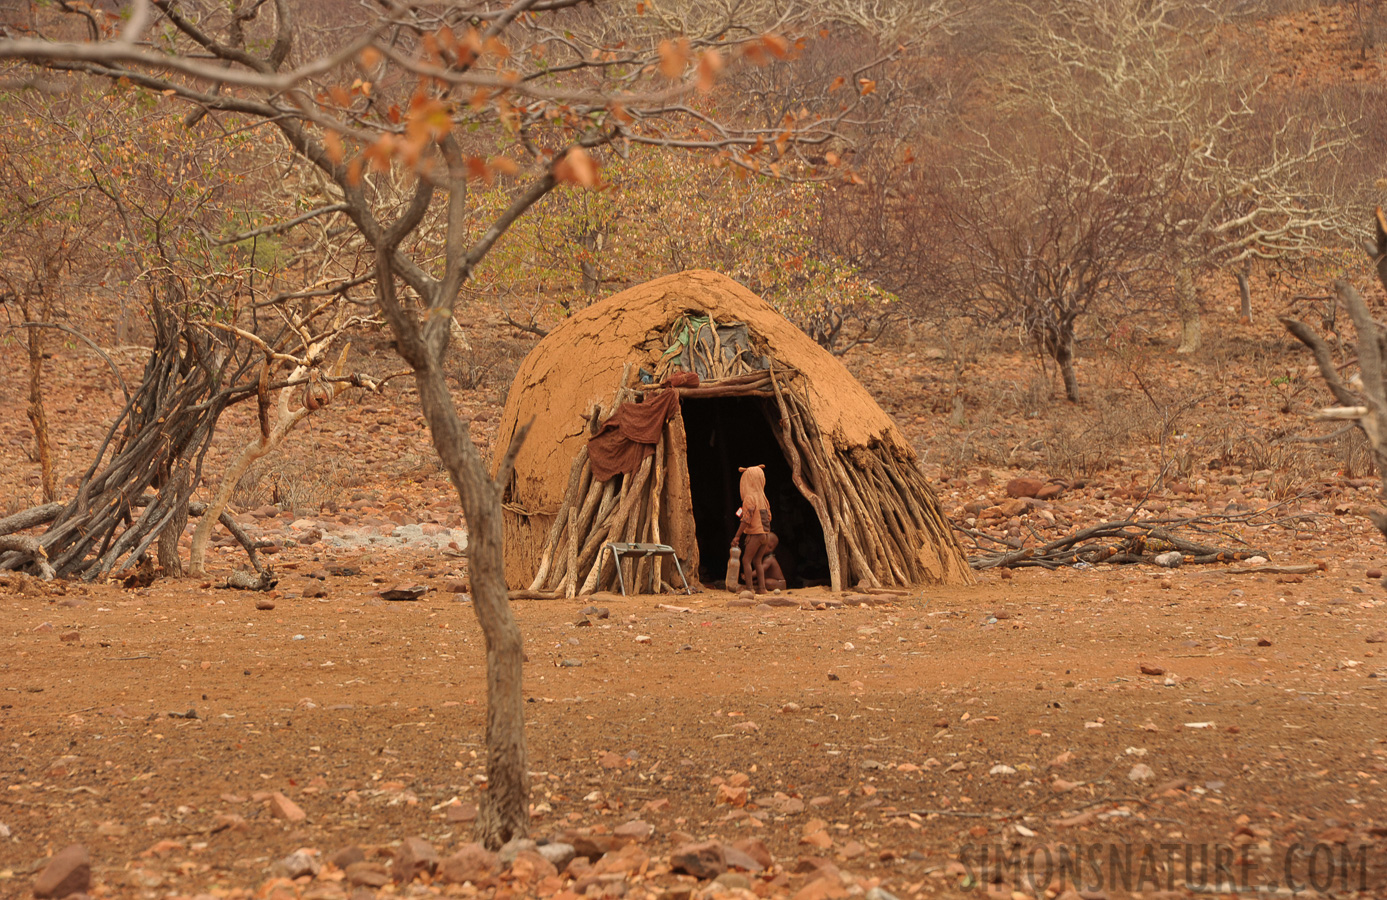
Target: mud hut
{"type": "Point", "coordinates": [851, 506]}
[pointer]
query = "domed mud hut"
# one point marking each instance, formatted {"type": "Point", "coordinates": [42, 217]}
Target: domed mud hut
{"type": "Point", "coordinates": [651, 454]}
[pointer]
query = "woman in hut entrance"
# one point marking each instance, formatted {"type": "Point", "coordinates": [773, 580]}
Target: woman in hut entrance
{"type": "Point", "coordinates": [756, 525]}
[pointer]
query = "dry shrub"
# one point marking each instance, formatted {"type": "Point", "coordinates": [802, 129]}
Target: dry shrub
{"type": "Point", "coordinates": [292, 482]}
{"type": "Point", "coordinates": [491, 363]}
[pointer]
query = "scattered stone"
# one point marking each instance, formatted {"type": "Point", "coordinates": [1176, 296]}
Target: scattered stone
{"type": "Point", "coordinates": [736, 858]}
{"type": "Point", "coordinates": [1151, 670]}
{"type": "Point", "coordinates": [314, 590]}
{"type": "Point", "coordinates": [512, 849]}
{"type": "Point", "coordinates": [596, 612]}
{"type": "Point", "coordinates": [281, 807]}
{"type": "Point", "coordinates": [1170, 560]}
{"type": "Point", "coordinates": [1141, 772]}
{"type": "Point", "coordinates": [703, 861]}
{"type": "Point", "coordinates": [348, 855]}
{"type": "Point", "coordinates": [367, 874]}
{"type": "Point", "coordinates": [610, 760]}
{"type": "Point", "coordinates": [627, 860]}
{"type": "Point", "coordinates": [733, 881]}
{"type": "Point", "coordinates": [1050, 491]}
{"type": "Point", "coordinates": [529, 866]}
{"type": "Point", "coordinates": [558, 853]}
{"type": "Point", "coordinates": [1001, 769]}
{"type": "Point", "coordinates": [343, 571]}
{"type": "Point", "coordinates": [264, 603]}
{"type": "Point", "coordinates": [1377, 637]}
{"type": "Point", "coordinates": [296, 865]}
{"type": "Point", "coordinates": [404, 592]}
{"type": "Point", "coordinates": [472, 862]}
{"type": "Point", "coordinates": [457, 813]}
{"type": "Point", "coordinates": [746, 595]}
{"type": "Point", "coordinates": [69, 872]}
{"type": "Point", "coordinates": [757, 850]}
{"type": "Point", "coordinates": [70, 636]}
{"type": "Point", "coordinates": [571, 663]}
{"type": "Point", "coordinates": [1024, 487]}
{"type": "Point", "coordinates": [415, 857]}
{"type": "Point", "coordinates": [1263, 642]}
{"type": "Point", "coordinates": [636, 828]}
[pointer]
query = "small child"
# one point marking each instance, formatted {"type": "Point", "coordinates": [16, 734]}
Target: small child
{"type": "Point", "coordinates": [755, 524]}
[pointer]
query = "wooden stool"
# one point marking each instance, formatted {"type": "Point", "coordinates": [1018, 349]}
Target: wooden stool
{"type": "Point", "coordinates": [646, 550]}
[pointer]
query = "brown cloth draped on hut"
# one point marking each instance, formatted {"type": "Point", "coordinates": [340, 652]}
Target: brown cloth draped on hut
{"type": "Point", "coordinates": [630, 435]}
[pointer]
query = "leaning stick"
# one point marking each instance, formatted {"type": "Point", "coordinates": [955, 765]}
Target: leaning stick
{"type": "Point", "coordinates": [575, 475]}
{"type": "Point", "coordinates": [570, 579]}
{"type": "Point", "coordinates": [787, 445]}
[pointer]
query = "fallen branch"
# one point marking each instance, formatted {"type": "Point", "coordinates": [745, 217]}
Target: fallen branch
{"type": "Point", "coordinates": [1120, 542]}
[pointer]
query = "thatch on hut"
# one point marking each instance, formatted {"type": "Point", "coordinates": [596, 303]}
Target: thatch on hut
{"type": "Point", "coordinates": [850, 503]}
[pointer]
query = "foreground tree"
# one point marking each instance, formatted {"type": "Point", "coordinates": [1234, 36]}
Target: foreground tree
{"type": "Point", "coordinates": [417, 103]}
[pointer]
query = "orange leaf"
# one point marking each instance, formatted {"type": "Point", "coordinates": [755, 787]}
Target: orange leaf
{"type": "Point", "coordinates": [496, 47]}
{"type": "Point", "coordinates": [673, 56]}
{"type": "Point", "coordinates": [505, 165]}
{"type": "Point", "coordinates": [394, 114]}
{"type": "Point", "coordinates": [577, 167]}
{"type": "Point", "coordinates": [831, 158]}
{"type": "Point", "coordinates": [777, 45]}
{"type": "Point", "coordinates": [868, 85]}
{"type": "Point", "coordinates": [340, 95]}
{"type": "Point", "coordinates": [640, 7]}
{"type": "Point", "coordinates": [369, 58]}
{"type": "Point", "coordinates": [332, 143]}
{"type": "Point", "coordinates": [380, 151]}
{"type": "Point", "coordinates": [477, 168]}
{"type": "Point", "coordinates": [709, 65]}
{"type": "Point", "coordinates": [837, 83]}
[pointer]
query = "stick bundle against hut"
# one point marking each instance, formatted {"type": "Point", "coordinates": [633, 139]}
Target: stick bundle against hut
{"type": "Point", "coordinates": [652, 399]}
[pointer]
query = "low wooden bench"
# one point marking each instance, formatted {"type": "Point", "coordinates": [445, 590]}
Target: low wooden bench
{"type": "Point", "coordinates": [619, 550]}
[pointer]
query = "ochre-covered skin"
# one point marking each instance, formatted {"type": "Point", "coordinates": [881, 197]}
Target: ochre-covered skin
{"type": "Point", "coordinates": [578, 365]}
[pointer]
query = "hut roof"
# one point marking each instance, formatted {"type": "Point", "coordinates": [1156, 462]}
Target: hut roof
{"type": "Point", "coordinates": [577, 366]}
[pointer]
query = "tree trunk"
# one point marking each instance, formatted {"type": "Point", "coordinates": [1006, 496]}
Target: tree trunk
{"type": "Point", "coordinates": [1244, 296]}
{"type": "Point", "coordinates": [37, 417]}
{"type": "Point", "coordinates": [503, 813]}
{"type": "Point", "coordinates": [1060, 341]}
{"type": "Point", "coordinates": [169, 559]}
{"type": "Point", "coordinates": [1187, 304]}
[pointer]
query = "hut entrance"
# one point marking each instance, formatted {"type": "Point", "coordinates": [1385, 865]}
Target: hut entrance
{"type": "Point", "coordinates": [727, 432]}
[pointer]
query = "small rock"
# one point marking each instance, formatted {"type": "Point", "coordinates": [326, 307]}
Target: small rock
{"type": "Point", "coordinates": [558, 853]}
{"type": "Point", "coordinates": [746, 595]}
{"type": "Point", "coordinates": [367, 874]}
{"type": "Point", "coordinates": [1141, 772]}
{"type": "Point", "coordinates": [1377, 637]}
{"type": "Point", "coordinates": [69, 872]}
{"type": "Point", "coordinates": [737, 859]}
{"type": "Point", "coordinates": [703, 861]}
{"type": "Point", "coordinates": [1151, 670]}
{"type": "Point", "coordinates": [757, 850]}
{"type": "Point", "coordinates": [512, 848]}
{"type": "Point", "coordinates": [1001, 769]}
{"type": "Point", "coordinates": [472, 862]}
{"type": "Point", "coordinates": [1263, 642]}
{"type": "Point", "coordinates": [733, 881]}
{"type": "Point", "coordinates": [281, 807]}
{"type": "Point", "coordinates": [636, 828]}
{"type": "Point", "coordinates": [297, 864]}
{"type": "Point", "coordinates": [404, 592]}
{"type": "Point", "coordinates": [877, 893]}
{"type": "Point", "coordinates": [264, 603]}
{"type": "Point", "coordinates": [1374, 573]}
{"type": "Point", "coordinates": [596, 612]}
{"type": "Point", "coordinates": [458, 813]}
{"type": "Point", "coordinates": [571, 663]}
{"type": "Point", "coordinates": [415, 857]}
{"type": "Point", "coordinates": [1170, 560]}
{"type": "Point", "coordinates": [70, 636]}
{"type": "Point", "coordinates": [1048, 492]}
{"type": "Point", "coordinates": [1024, 487]}
{"type": "Point", "coordinates": [348, 855]}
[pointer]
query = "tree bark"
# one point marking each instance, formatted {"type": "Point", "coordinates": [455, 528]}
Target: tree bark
{"type": "Point", "coordinates": [37, 417]}
{"type": "Point", "coordinates": [169, 559]}
{"type": "Point", "coordinates": [503, 812]}
{"type": "Point", "coordinates": [1061, 343]}
{"type": "Point", "coordinates": [1244, 296]}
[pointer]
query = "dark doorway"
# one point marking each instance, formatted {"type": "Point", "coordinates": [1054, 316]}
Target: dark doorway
{"type": "Point", "coordinates": [725, 433]}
